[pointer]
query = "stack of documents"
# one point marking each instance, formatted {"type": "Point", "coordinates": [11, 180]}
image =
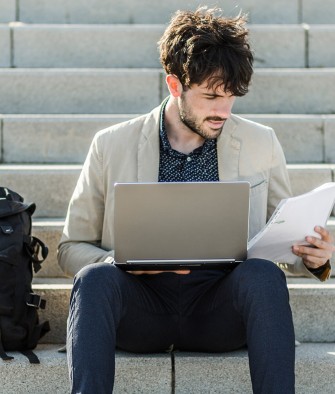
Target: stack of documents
{"type": "Point", "coordinates": [293, 220]}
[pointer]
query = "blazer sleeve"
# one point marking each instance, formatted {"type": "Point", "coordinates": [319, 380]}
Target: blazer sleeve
{"type": "Point", "coordinates": [80, 244]}
{"type": "Point", "coordinates": [279, 188]}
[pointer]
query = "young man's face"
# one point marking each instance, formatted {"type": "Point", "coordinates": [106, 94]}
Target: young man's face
{"type": "Point", "coordinates": [205, 110]}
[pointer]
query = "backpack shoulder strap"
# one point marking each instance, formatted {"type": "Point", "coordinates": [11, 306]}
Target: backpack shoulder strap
{"type": "Point", "coordinates": [36, 250]}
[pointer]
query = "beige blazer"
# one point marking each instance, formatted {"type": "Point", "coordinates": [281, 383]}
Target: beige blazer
{"type": "Point", "coordinates": [129, 152]}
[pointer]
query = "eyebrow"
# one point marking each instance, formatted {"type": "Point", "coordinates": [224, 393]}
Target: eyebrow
{"type": "Point", "coordinates": [217, 95]}
{"type": "Point", "coordinates": [212, 95]}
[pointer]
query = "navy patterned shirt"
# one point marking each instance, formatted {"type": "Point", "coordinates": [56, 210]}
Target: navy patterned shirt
{"type": "Point", "coordinates": [201, 165]}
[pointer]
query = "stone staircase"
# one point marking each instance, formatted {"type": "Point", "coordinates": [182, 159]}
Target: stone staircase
{"type": "Point", "coordinates": [69, 69]}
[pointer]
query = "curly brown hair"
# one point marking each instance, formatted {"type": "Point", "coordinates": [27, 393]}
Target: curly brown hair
{"type": "Point", "coordinates": [204, 46]}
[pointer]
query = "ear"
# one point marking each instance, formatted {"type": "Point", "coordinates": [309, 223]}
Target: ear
{"type": "Point", "coordinates": [174, 85]}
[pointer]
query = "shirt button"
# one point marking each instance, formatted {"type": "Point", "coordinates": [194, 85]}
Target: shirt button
{"type": "Point", "coordinates": [189, 158]}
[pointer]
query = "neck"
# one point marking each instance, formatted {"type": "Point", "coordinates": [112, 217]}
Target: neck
{"type": "Point", "coordinates": [181, 137]}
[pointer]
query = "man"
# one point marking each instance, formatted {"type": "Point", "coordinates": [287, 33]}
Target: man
{"type": "Point", "coordinates": [192, 136]}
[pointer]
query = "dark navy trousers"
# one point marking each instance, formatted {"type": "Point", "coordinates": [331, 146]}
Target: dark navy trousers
{"type": "Point", "coordinates": [205, 311]}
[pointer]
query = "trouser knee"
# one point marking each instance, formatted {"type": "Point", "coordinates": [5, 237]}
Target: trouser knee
{"type": "Point", "coordinates": [96, 278]}
{"type": "Point", "coordinates": [262, 278]}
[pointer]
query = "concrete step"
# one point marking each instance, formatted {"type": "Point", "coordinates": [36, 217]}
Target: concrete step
{"type": "Point", "coordinates": [7, 10]}
{"type": "Point", "coordinates": [58, 138]}
{"type": "Point", "coordinates": [130, 11]}
{"type": "Point", "coordinates": [50, 231]}
{"type": "Point", "coordinates": [5, 46]}
{"type": "Point", "coordinates": [321, 52]}
{"type": "Point", "coordinates": [146, 11]}
{"type": "Point", "coordinates": [103, 91]}
{"type": "Point", "coordinates": [165, 373]}
{"type": "Point", "coordinates": [133, 373]}
{"type": "Point", "coordinates": [51, 186]}
{"type": "Point", "coordinates": [312, 13]}
{"type": "Point", "coordinates": [86, 46]}
{"type": "Point", "coordinates": [79, 90]}
{"type": "Point", "coordinates": [271, 88]}
{"type": "Point", "coordinates": [229, 373]}
{"type": "Point", "coordinates": [95, 46]}
{"type": "Point", "coordinates": [66, 138]}
{"type": "Point", "coordinates": [312, 305]}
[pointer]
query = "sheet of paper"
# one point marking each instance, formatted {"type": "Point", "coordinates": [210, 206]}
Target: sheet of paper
{"type": "Point", "coordinates": [292, 221]}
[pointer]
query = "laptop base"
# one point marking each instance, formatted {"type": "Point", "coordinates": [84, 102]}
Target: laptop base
{"type": "Point", "coordinates": [176, 266]}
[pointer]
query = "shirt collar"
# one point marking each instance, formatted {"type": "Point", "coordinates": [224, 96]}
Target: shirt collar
{"type": "Point", "coordinates": [165, 143]}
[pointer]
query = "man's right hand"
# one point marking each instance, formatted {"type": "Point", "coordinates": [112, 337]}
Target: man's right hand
{"type": "Point", "coordinates": [180, 272]}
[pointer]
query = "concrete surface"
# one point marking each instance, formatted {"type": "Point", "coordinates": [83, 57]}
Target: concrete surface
{"type": "Point", "coordinates": [321, 45]}
{"type": "Point", "coordinates": [5, 46]}
{"type": "Point", "coordinates": [330, 139]}
{"type": "Point", "coordinates": [312, 303]}
{"type": "Point", "coordinates": [59, 138]}
{"type": "Point", "coordinates": [146, 11]}
{"type": "Point", "coordinates": [50, 187]}
{"type": "Point", "coordinates": [301, 136]}
{"type": "Point", "coordinates": [8, 10]}
{"type": "Point", "coordinates": [87, 46]}
{"type": "Point", "coordinates": [290, 91]}
{"type": "Point", "coordinates": [278, 45]}
{"type": "Point", "coordinates": [53, 91]}
{"type": "Point", "coordinates": [149, 373]}
{"type": "Point", "coordinates": [317, 12]}
{"type": "Point", "coordinates": [196, 373]}
{"type": "Point", "coordinates": [229, 373]}
{"type": "Point", "coordinates": [50, 231]}
{"type": "Point", "coordinates": [305, 177]}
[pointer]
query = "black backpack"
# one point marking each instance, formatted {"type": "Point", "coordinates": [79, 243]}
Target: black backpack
{"type": "Point", "coordinates": [19, 252]}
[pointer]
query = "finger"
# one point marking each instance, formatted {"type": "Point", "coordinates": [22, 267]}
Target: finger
{"type": "Point", "coordinates": [325, 234]}
{"type": "Point", "coordinates": [320, 244]}
{"type": "Point", "coordinates": [311, 261]}
{"type": "Point", "coordinates": [310, 251]}
{"type": "Point", "coordinates": [182, 272]}
{"type": "Point", "coordinates": [314, 260]}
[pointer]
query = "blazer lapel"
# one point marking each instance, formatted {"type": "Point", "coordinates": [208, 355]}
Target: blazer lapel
{"type": "Point", "coordinates": [148, 149]}
{"type": "Point", "coordinates": [228, 151]}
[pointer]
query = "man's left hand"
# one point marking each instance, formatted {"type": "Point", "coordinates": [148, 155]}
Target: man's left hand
{"type": "Point", "coordinates": [320, 251]}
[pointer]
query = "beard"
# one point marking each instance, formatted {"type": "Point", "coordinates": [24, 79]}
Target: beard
{"type": "Point", "coordinates": [197, 125]}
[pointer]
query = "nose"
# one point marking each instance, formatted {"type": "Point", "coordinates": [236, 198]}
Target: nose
{"type": "Point", "coordinates": [223, 109]}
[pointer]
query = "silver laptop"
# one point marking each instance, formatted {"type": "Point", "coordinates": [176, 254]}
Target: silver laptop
{"type": "Point", "coordinates": [181, 225]}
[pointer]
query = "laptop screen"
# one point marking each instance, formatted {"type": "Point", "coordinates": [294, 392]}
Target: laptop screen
{"type": "Point", "coordinates": [181, 221]}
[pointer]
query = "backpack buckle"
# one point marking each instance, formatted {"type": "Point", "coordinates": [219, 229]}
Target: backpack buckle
{"type": "Point", "coordinates": [35, 300]}
{"type": "Point", "coordinates": [7, 229]}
